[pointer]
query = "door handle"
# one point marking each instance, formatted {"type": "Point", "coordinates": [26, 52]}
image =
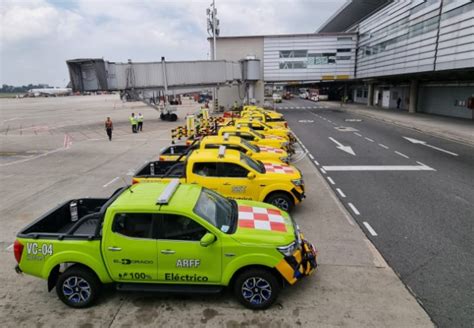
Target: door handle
{"type": "Point", "coordinates": [114, 249]}
{"type": "Point", "coordinates": [226, 184]}
{"type": "Point", "coordinates": [167, 251]}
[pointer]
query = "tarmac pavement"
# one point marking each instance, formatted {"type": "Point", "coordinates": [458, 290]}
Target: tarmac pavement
{"type": "Point", "coordinates": [353, 286]}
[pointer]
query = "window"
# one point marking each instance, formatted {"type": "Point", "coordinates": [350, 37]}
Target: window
{"type": "Point", "coordinates": [216, 210]}
{"type": "Point", "coordinates": [344, 50]}
{"type": "Point", "coordinates": [246, 136]}
{"type": "Point", "coordinates": [136, 225]}
{"type": "Point", "coordinates": [178, 227]}
{"type": "Point", "coordinates": [458, 11]}
{"type": "Point", "coordinates": [205, 169]}
{"type": "Point", "coordinates": [254, 165]}
{"type": "Point", "coordinates": [343, 58]}
{"type": "Point", "coordinates": [233, 147]}
{"type": "Point", "coordinates": [359, 93]}
{"type": "Point", "coordinates": [344, 38]}
{"type": "Point", "coordinates": [293, 53]}
{"type": "Point", "coordinates": [292, 65]}
{"type": "Point", "coordinates": [231, 170]}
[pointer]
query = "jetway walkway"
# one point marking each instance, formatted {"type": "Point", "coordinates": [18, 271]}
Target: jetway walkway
{"type": "Point", "coordinates": [99, 75]}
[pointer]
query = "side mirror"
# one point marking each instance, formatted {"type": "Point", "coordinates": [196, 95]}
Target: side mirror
{"type": "Point", "coordinates": [207, 239]}
{"type": "Point", "coordinates": [256, 139]}
{"type": "Point", "coordinates": [251, 175]}
{"type": "Point", "coordinates": [266, 129]}
{"type": "Point", "coordinates": [249, 153]}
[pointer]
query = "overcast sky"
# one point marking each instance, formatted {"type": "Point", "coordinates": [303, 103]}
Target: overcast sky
{"type": "Point", "coordinates": [38, 36]}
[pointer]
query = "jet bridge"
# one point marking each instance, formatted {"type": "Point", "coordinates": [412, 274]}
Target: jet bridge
{"type": "Point", "coordinates": [96, 74]}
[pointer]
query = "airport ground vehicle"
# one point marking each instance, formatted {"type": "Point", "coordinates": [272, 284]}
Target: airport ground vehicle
{"type": "Point", "coordinates": [175, 152]}
{"type": "Point", "coordinates": [232, 174]}
{"type": "Point", "coordinates": [276, 98]}
{"type": "Point", "coordinates": [255, 137]}
{"type": "Point", "coordinates": [261, 127]}
{"type": "Point", "coordinates": [275, 122]}
{"type": "Point", "coordinates": [165, 237]}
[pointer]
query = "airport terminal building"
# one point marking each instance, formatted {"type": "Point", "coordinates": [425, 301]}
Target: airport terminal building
{"type": "Point", "coordinates": [416, 55]}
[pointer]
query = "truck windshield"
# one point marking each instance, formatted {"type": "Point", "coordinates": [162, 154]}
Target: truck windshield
{"type": "Point", "coordinates": [255, 165]}
{"type": "Point", "coordinates": [253, 148]}
{"type": "Point", "coordinates": [217, 210]}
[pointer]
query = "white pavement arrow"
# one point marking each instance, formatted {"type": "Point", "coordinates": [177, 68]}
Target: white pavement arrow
{"type": "Point", "coordinates": [424, 143]}
{"type": "Point", "coordinates": [340, 146]}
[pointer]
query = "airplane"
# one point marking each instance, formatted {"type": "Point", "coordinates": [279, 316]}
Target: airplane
{"type": "Point", "coordinates": [49, 92]}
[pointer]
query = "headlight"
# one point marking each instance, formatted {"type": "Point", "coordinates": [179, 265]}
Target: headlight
{"type": "Point", "coordinates": [285, 159]}
{"type": "Point", "coordinates": [297, 182]}
{"type": "Point", "coordinates": [289, 249]}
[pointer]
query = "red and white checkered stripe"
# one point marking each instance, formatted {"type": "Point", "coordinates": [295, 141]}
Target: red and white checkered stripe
{"type": "Point", "coordinates": [278, 168]}
{"type": "Point", "coordinates": [271, 150]}
{"type": "Point", "coordinates": [261, 218]}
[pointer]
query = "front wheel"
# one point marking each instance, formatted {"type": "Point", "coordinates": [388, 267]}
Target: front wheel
{"type": "Point", "coordinates": [281, 200]}
{"type": "Point", "coordinates": [77, 287]}
{"type": "Point", "coordinates": [256, 289]}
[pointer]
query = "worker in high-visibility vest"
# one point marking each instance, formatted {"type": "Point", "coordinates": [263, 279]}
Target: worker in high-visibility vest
{"type": "Point", "coordinates": [133, 122]}
{"type": "Point", "coordinates": [140, 122]}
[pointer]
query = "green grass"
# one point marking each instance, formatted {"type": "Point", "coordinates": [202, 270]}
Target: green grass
{"type": "Point", "coordinates": [9, 95]}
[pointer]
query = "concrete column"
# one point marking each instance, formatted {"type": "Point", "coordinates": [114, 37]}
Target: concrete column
{"type": "Point", "coordinates": [413, 96]}
{"type": "Point", "coordinates": [370, 95]}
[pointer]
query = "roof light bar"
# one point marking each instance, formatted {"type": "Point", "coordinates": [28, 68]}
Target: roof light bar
{"type": "Point", "coordinates": [168, 192]}
{"type": "Point", "coordinates": [221, 151]}
{"type": "Point", "coordinates": [226, 136]}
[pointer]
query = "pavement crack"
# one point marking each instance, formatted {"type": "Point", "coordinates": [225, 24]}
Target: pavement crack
{"type": "Point", "coordinates": [122, 301]}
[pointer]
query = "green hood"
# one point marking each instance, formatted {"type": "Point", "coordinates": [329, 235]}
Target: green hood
{"type": "Point", "coordinates": [263, 224]}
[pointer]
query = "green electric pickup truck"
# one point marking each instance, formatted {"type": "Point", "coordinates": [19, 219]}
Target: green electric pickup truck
{"type": "Point", "coordinates": [165, 237]}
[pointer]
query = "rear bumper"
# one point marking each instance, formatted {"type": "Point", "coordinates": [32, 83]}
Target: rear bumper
{"type": "Point", "coordinates": [301, 264]}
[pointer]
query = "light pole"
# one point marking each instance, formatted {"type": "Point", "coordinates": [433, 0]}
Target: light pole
{"type": "Point", "coordinates": [213, 30]}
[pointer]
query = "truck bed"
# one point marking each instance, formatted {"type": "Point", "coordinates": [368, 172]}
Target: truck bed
{"type": "Point", "coordinates": [77, 217]}
{"type": "Point", "coordinates": [162, 169]}
{"type": "Point", "coordinates": [175, 150]}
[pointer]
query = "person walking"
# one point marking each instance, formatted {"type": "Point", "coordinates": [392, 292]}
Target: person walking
{"type": "Point", "coordinates": [140, 122]}
{"type": "Point", "coordinates": [399, 101]}
{"type": "Point", "coordinates": [109, 126]}
{"type": "Point", "coordinates": [133, 122]}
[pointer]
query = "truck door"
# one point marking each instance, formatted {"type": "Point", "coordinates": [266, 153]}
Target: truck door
{"type": "Point", "coordinates": [204, 174]}
{"type": "Point", "coordinates": [181, 257]}
{"type": "Point", "coordinates": [235, 181]}
{"type": "Point", "coordinates": [130, 249]}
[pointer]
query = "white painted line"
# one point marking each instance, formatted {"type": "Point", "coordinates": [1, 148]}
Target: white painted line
{"type": "Point", "coordinates": [358, 134]}
{"type": "Point", "coordinates": [383, 146]}
{"type": "Point", "coordinates": [331, 180]}
{"type": "Point", "coordinates": [316, 162]}
{"type": "Point", "coordinates": [401, 154]}
{"type": "Point", "coordinates": [9, 248]}
{"type": "Point", "coordinates": [34, 157]}
{"type": "Point", "coordinates": [354, 209]}
{"type": "Point", "coordinates": [347, 149]}
{"type": "Point", "coordinates": [311, 156]}
{"type": "Point", "coordinates": [424, 143]}
{"type": "Point", "coordinates": [341, 193]}
{"type": "Point", "coordinates": [329, 121]}
{"type": "Point", "coordinates": [111, 181]}
{"type": "Point", "coordinates": [285, 107]}
{"type": "Point", "coordinates": [323, 170]}
{"type": "Point", "coordinates": [379, 168]}
{"type": "Point", "coordinates": [368, 139]}
{"type": "Point", "coordinates": [370, 229]}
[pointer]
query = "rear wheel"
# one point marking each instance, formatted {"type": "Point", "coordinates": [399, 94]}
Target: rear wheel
{"type": "Point", "coordinates": [173, 117]}
{"type": "Point", "coordinates": [256, 289]}
{"type": "Point", "coordinates": [281, 200]}
{"type": "Point", "coordinates": [77, 287]}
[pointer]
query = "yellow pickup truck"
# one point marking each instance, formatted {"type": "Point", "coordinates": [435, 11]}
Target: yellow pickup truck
{"type": "Point", "coordinates": [262, 127]}
{"type": "Point", "coordinates": [232, 174]}
{"type": "Point", "coordinates": [255, 137]}
{"type": "Point", "coordinates": [276, 122]}
{"type": "Point", "coordinates": [177, 152]}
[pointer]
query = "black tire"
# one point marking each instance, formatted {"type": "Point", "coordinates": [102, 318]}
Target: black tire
{"type": "Point", "coordinates": [281, 200]}
{"type": "Point", "coordinates": [256, 289]}
{"type": "Point", "coordinates": [78, 287]}
{"type": "Point", "coordinates": [173, 117]}
{"type": "Point", "coordinates": [162, 116]}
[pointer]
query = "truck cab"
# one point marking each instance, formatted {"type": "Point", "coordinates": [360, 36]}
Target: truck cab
{"type": "Point", "coordinates": [255, 137]}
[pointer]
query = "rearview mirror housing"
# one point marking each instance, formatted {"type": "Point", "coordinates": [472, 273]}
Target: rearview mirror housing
{"type": "Point", "coordinates": [207, 239]}
{"type": "Point", "coordinates": [251, 175]}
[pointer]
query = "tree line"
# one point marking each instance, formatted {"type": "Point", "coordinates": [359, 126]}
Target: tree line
{"type": "Point", "coordinates": [22, 89]}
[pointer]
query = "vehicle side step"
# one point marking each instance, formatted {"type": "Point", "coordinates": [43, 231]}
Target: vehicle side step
{"type": "Point", "coordinates": [169, 288]}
